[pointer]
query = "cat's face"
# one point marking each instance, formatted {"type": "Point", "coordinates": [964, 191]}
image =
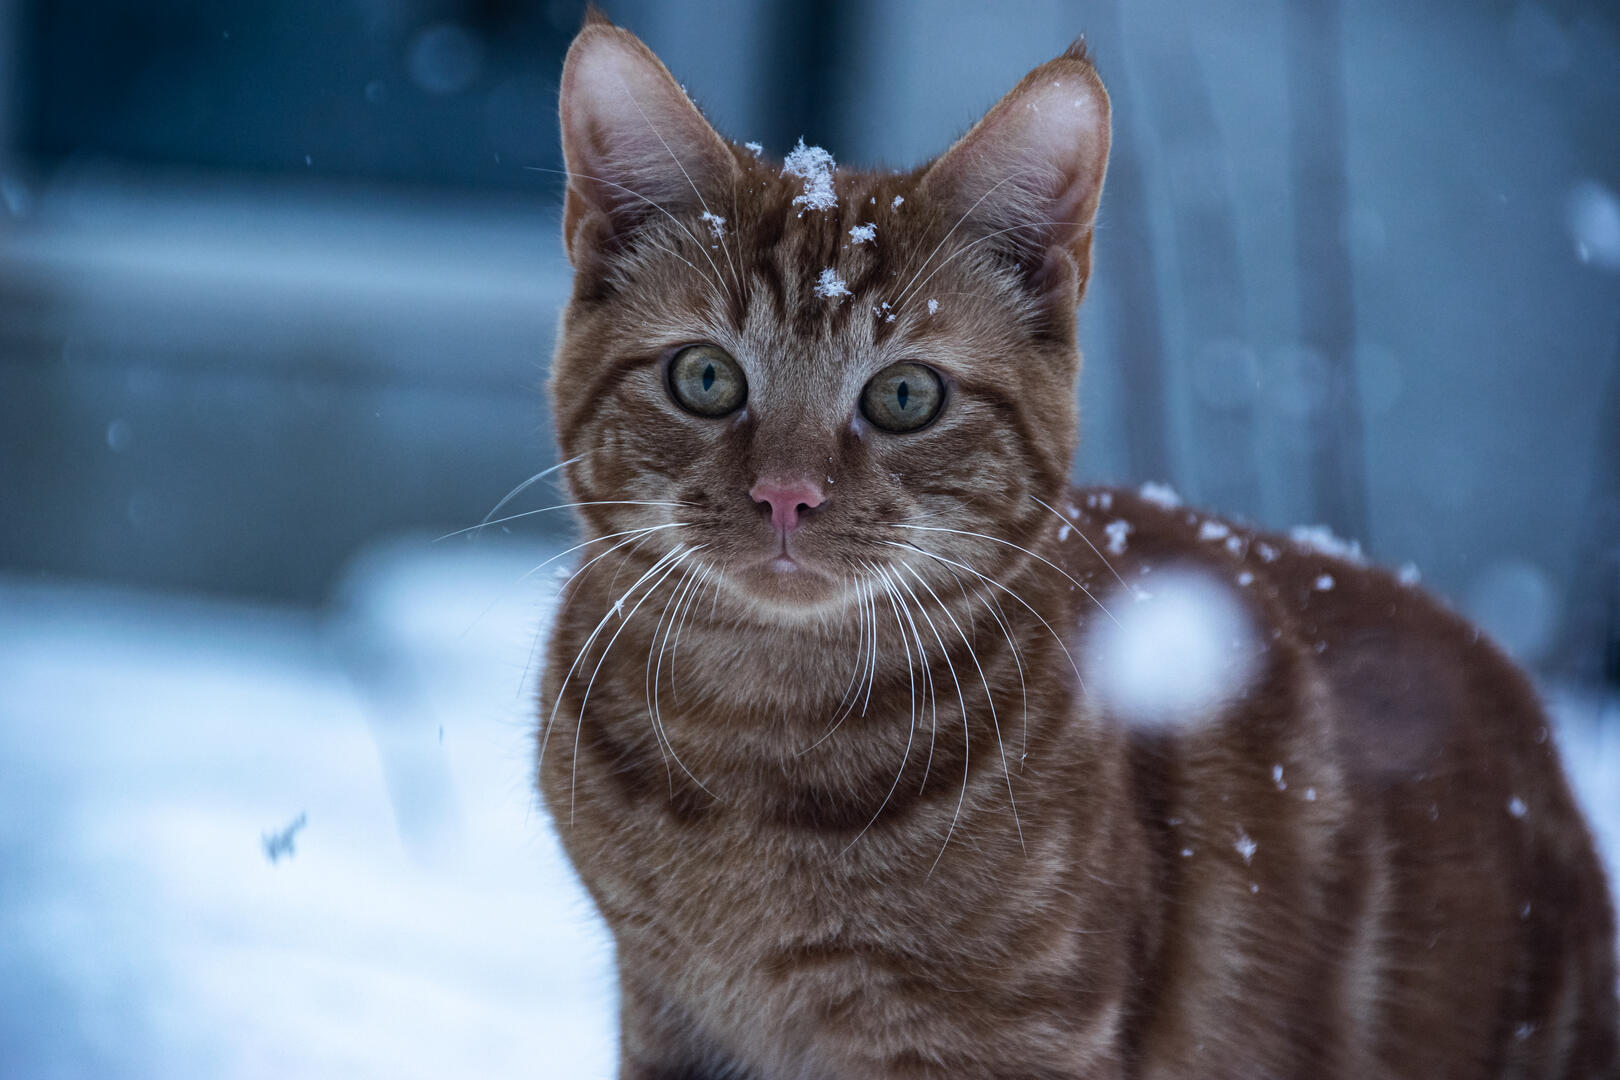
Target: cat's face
{"type": "Point", "coordinates": [848, 372]}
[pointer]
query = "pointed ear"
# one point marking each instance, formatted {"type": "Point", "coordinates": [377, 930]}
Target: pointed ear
{"type": "Point", "coordinates": [1027, 177]}
{"type": "Point", "coordinates": [632, 140]}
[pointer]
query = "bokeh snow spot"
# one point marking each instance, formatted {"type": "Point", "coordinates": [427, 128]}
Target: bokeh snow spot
{"type": "Point", "coordinates": [1175, 655]}
{"type": "Point", "coordinates": [1593, 213]}
{"type": "Point", "coordinates": [1517, 604]}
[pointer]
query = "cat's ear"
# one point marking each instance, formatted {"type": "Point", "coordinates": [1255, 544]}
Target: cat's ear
{"type": "Point", "coordinates": [633, 142]}
{"type": "Point", "coordinates": [1027, 177]}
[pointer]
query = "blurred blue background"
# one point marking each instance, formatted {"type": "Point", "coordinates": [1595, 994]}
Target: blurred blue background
{"type": "Point", "coordinates": [278, 287]}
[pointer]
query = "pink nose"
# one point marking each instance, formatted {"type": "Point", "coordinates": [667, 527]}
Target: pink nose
{"type": "Point", "coordinates": [789, 501]}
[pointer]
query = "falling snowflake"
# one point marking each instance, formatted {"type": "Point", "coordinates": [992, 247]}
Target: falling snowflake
{"type": "Point", "coordinates": [716, 224]}
{"type": "Point", "coordinates": [280, 843]}
{"type": "Point", "coordinates": [863, 234]}
{"type": "Point", "coordinates": [1117, 532]}
{"type": "Point", "coordinates": [1245, 846]}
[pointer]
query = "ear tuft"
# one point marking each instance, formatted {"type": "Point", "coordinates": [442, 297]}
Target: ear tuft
{"type": "Point", "coordinates": [634, 144]}
{"type": "Point", "coordinates": [1028, 176]}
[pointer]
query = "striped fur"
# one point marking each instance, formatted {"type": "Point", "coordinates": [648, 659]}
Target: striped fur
{"type": "Point", "coordinates": [870, 823]}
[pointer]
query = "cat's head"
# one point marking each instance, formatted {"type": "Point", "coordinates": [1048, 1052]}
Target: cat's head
{"type": "Point", "coordinates": [818, 372]}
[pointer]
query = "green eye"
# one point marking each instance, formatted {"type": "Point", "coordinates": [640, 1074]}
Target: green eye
{"type": "Point", "coordinates": [903, 397]}
{"type": "Point", "coordinates": [706, 381]}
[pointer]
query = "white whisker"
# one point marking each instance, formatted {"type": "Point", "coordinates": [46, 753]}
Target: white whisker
{"type": "Point", "coordinates": [657, 711]}
{"type": "Point", "coordinates": [681, 166]}
{"type": "Point", "coordinates": [560, 506]}
{"type": "Point", "coordinates": [686, 611]}
{"type": "Point", "coordinates": [989, 697]}
{"type": "Point", "coordinates": [530, 482]}
{"type": "Point", "coordinates": [996, 613]}
{"type": "Point", "coordinates": [958, 225]}
{"type": "Point", "coordinates": [1081, 533]}
{"type": "Point", "coordinates": [579, 724]}
{"type": "Point", "coordinates": [590, 640]}
{"type": "Point", "coordinates": [911, 732]}
{"type": "Point", "coordinates": [678, 223]}
{"type": "Point", "coordinates": [962, 702]}
{"type": "Point", "coordinates": [862, 646]}
{"type": "Point", "coordinates": [987, 579]}
{"type": "Point", "coordinates": [1018, 547]}
{"type": "Point", "coordinates": [965, 248]}
{"type": "Point", "coordinates": [647, 679]}
{"type": "Point", "coordinates": [634, 536]}
{"type": "Point", "coordinates": [871, 673]}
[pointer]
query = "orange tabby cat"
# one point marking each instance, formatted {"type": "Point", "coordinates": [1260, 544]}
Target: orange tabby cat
{"type": "Point", "coordinates": [824, 729]}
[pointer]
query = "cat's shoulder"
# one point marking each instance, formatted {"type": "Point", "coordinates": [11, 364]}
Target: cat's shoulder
{"type": "Point", "coordinates": [1313, 581]}
{"type": "Point", "coordinates": [1372, 634]}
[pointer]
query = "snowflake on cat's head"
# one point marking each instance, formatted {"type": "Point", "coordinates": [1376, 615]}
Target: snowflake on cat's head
{"type": "Point", "coordinates": [815, 167]}
{"type": "Point", "coordinates": [829, 286]}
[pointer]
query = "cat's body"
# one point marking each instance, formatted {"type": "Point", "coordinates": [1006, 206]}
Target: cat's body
{"type": "Point", "coordinates": [850, 812]}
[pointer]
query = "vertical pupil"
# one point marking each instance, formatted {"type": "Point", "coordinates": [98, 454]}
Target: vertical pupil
{"type": "Point", "coordinates": [903, 393]}
{"type": "Point", "coordinates": [708, 377]}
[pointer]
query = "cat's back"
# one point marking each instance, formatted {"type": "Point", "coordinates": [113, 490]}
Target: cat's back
{"type": "Point", "coordinates": [1371, 839]}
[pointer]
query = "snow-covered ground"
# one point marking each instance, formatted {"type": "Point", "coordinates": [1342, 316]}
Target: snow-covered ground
{"type": "Point", "coordinates": [153, 750]}
{"type": "Point", "coordinates": [425, 923]}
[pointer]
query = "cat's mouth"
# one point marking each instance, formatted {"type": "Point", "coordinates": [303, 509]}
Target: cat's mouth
{"type": "Point", "coordinates": [786, 579]}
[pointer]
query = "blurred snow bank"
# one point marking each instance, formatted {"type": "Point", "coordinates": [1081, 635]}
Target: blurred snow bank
{"type": "Point", "coordinates": [1588, 726]}
{"type": "Point", "coordinates": [425, 923]}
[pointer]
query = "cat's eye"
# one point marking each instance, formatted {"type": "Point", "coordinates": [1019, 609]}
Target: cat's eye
{"type": "Point", "coordinates": [903, 397]}
{"type": "Point", "coordinates": [706, 381]}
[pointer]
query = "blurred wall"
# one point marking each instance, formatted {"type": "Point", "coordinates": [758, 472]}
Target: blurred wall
{"type": "Point", "coordinates": [279, 279]}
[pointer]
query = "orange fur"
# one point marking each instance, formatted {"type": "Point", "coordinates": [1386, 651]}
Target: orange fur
{"type": "Point", "coordinates": [863, 820]}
